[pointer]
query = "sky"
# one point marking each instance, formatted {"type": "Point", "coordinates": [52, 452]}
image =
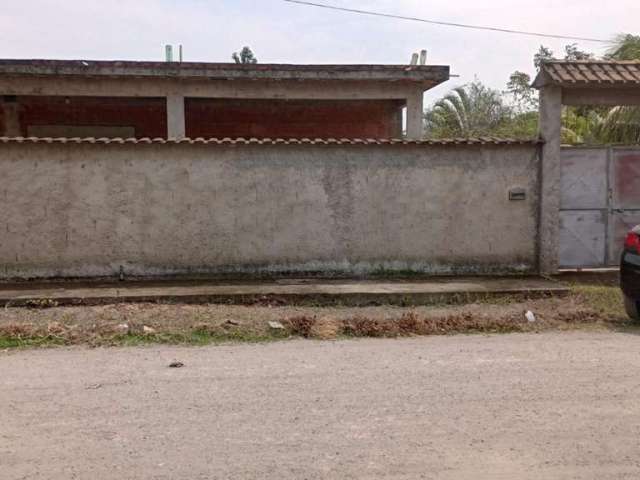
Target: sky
{"type": "Point", "coordinates": [280, 32]}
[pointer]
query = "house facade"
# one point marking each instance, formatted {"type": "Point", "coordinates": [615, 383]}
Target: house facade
{"type": "Point", "coordinates": [159, 169]}
{"type": "Point", "coordinates": [50, 98]}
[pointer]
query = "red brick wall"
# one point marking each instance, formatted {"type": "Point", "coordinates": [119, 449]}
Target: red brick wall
{"type": "Point", "coordinates": [220, 118]}
{"type": "Point", "coordinates": [146, 115]}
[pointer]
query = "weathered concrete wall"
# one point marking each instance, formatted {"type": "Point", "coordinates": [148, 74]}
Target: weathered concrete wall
{"type": "Point", "coordinates": [3, 127]}
{"type": "Point", "coordinates": [88, 210]}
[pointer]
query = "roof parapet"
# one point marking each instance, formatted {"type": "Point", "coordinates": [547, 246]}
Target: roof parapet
{"type": "Point", "coordinates": [430, 75]}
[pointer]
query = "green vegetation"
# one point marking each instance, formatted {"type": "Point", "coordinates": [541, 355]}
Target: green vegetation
{"type": "Point", "coordinates": [592, 301]}
{"type": "Point", "coordinates": [468, 111]}
{"type": "Point", "coordinates": [604, 299]}
{"type": "Point", "coordinates": [477, 110]}
{"type": "Point", "coordinates": [586, 306]}
{"type": "Point", "coordinates": [245, 56]}
{"type": "Point", "coordinates": [36, 341]}
{"type": "Point", "coordinates": [196, 337]}
{"type": "Point", "coordinates": [625, 47]}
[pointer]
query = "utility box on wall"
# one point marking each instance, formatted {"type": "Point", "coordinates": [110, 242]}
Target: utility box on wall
{"type": "Point", "coordinates": [517, 194]}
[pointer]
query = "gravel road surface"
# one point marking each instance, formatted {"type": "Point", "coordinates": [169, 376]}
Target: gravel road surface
{"type": "Point", "coordinates": [523, 406]}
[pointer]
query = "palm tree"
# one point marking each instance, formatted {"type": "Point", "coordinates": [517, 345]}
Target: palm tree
{"type": "Point", "coordinates": [582, 125]}
{"type": "Point", "coordinates": [624, 47]}
{"type": "Point", "coordinates": [467, 111]}
{"type": "Point", "coordinates": [621, 124]}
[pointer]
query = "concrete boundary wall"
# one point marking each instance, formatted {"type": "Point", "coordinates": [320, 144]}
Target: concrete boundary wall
{"type": "Point", "coordinates": [91, 210]}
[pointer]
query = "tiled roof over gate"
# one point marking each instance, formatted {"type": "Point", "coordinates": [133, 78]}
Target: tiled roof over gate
{"type": "Point", "coordinates": [589, 73]}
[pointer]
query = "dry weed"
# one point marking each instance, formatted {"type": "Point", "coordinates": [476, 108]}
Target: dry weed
{"type": "Point", "coordinates": [325, 328]}
{"type": "Point", "coordinates": [300, 325]}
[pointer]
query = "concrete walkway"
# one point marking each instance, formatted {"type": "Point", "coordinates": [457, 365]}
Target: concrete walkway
{"type": "Point", "coordinates": [411, 292]}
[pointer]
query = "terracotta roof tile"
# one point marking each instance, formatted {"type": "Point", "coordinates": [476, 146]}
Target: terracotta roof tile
{"type": "Point", "coordinates": [586, 73]}
{"type": "Point", "coordinates": [276, 141]}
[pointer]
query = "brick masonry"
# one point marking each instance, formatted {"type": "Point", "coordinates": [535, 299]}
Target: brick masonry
{"type": "Point", "coordinates": [147, 116]}
{"type": "Point", "coordinates": [216, 118]}
{"type": "Point", "coordinates": [219, 118]}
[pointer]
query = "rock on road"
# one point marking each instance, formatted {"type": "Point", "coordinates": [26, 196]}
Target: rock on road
{"type": "Point", "coordinates": [553, 405]}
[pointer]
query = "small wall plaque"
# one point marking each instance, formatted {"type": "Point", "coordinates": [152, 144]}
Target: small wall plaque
{"type": "Point", "coordinates": [517, 194]}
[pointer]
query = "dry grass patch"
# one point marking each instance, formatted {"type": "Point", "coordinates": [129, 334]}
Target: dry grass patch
{"type": "Point", "coordinates": [437, 323]}
{"type": "Point", "coordinates": [135, 324]}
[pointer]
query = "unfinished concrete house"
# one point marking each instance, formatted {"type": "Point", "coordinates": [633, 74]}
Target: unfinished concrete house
{"type": "Point", "coordinates": [209, 100]}
{"type": "Point", "coordinates": [156, 169]}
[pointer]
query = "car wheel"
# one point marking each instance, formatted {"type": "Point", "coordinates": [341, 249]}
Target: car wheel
{"type": "Point", "coordinates": [631, 306]}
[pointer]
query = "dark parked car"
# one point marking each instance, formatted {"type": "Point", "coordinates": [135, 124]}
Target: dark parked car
{"type": "Point", "coordinates": [630, 273]}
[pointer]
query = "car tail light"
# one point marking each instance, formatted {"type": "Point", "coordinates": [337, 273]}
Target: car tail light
{"type": "Point", "coordinates": [632, 243]}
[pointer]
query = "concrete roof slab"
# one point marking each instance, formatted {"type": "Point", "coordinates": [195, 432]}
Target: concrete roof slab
{"type": "Point", "coordinates": [427, 75]}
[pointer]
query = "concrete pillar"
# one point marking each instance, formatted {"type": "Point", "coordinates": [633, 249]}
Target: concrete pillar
{"type": "Point", "coordinates": [11, 119]}
{"type": "Point", "coordinates": [550, 132]}
{"type": "Point", "coordinates": [415, 116]}
{"type": "Point", "coordinates": [176, 127]}
{"type": "Point", "coordinates": [396, 122]}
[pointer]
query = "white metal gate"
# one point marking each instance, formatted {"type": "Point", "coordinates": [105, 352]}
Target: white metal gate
{"type": "Point", "coordinates": [600, 202]}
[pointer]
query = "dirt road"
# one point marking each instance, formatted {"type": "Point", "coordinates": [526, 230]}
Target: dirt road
{"type": "Point", "coordinates": [553, 405]}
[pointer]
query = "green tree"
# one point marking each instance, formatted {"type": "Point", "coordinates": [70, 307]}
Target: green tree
{"type": "Point", "coordinates": [572, 54]}
{"type": "Point", "coordinates": [521, 125]}
{"type": "Point", "coordinates": [476, 110]}
{"type": "Point", "coordinates": [542, 55]}
{"type": "Point", "coordinates": [522, 96]}
{"type": "Point", "coordinates": [245, 56]}
{"type": "Point", "coordinates": [624, 47]}
{"type": "Point", "coordinates": [579, 124]}
{"type": "Point", "coordinates": [621, 124]}
{"type": "Point", "coordinates": [467, 111]}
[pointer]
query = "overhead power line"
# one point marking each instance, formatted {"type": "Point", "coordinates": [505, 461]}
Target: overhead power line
{"type": "Point", "coordinates": [448, 24]}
